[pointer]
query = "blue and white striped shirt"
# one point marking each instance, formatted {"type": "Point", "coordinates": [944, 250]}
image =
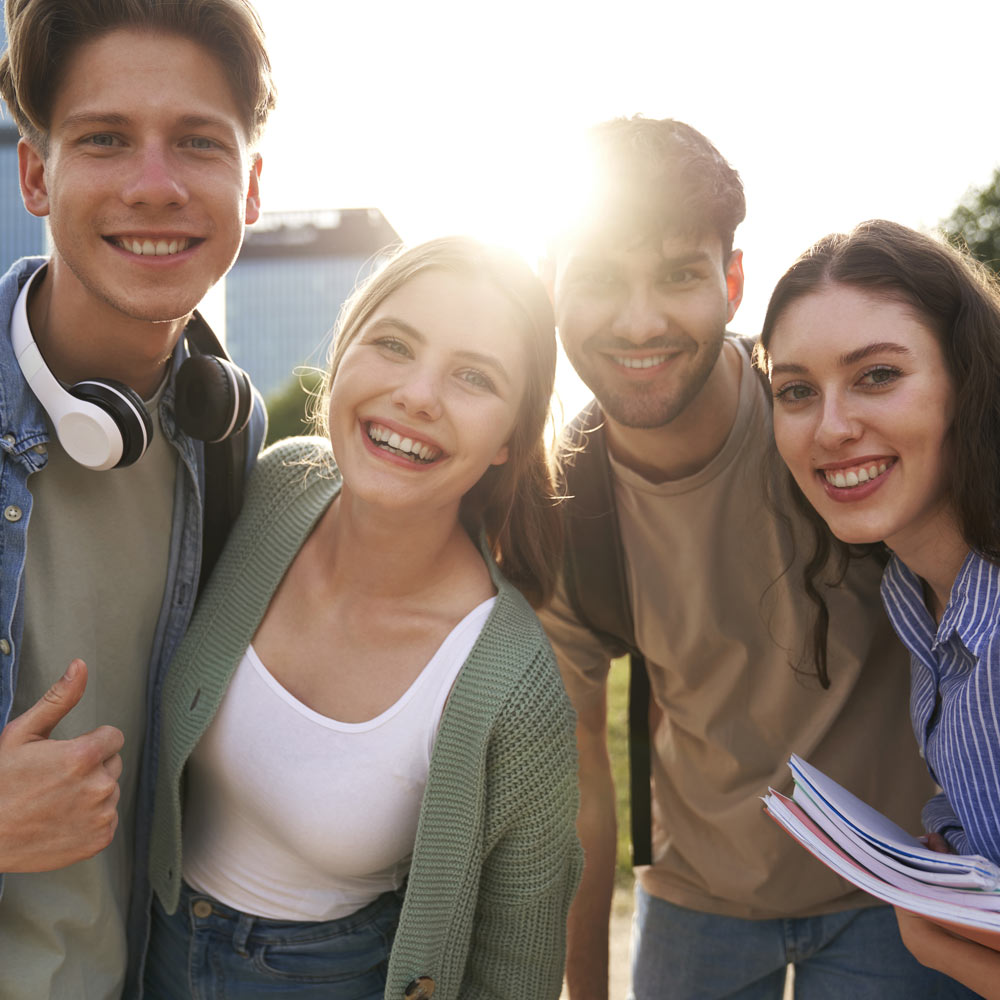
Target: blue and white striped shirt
{"type": "Point", "coordinates": [955, 698]}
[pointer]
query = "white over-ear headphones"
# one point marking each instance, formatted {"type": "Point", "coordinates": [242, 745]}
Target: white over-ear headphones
{"type": "Point", "coordinates": [100, 423]}
{"type": "Point", "coordinates": [104, 424]}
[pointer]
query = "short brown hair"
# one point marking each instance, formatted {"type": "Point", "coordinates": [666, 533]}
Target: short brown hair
{"type": "Point", "coordinates": [655, 177]}
{"type": "Point", "coordinates": [513, 503]}
{"type": "Point", "coordinates": [43, 34]}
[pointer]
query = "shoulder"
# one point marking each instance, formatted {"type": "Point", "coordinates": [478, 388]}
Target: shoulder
{"type": "Point", "coordinates": [515, 659]}
{"type": "Point", "coordinates": [293, 466]}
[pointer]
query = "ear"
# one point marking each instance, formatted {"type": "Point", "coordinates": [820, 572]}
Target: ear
{"type": "Point", "coordinates": [734, 282]}
{"type": "Point", "coordinates": [253, 190]}
{"type": "Point", "coordinates": [31, 173]}
{"type": "Point", "coordinates": [501, 456]}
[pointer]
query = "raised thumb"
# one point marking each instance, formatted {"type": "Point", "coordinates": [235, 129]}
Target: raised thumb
{"type": "Point", "coordinates": [37, 722]}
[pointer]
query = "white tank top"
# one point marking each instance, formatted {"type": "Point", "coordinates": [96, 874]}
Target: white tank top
{"type": "Point", "coordinates": [294, 816]}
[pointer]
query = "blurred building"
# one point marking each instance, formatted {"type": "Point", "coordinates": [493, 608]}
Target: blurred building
{"type": "Point", "coordinates": [20, 233]}
{"type": "Point", "coordinates": [287, 286]}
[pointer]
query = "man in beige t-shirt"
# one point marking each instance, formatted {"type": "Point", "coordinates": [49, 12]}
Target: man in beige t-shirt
{"type": "Point", "coordinates": [644, 288]}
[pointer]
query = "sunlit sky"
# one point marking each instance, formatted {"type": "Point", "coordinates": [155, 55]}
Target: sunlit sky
{"type": "Point", "coordinates": [460, 116]}
{"type": "Point", "coordinates": [454, 115]}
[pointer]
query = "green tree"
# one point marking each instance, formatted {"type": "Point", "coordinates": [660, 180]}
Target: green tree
{"type": "Point", "coordinates": [976, 221]}
{"type": "Point", "coordinates": [287, 406]}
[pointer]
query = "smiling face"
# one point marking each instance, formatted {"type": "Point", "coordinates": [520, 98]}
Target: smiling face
{"type": "Point", "coordinates": [426, 396]}
{"type": "Point", "coordinates": [863, 411]}
{"type": "Point", "coordinates": [643, 327]}
{"type": "Point", "coordinates": [148, 179]}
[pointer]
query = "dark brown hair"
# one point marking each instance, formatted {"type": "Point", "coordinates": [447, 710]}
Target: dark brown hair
{"type": "Point", "coordinates": [43, 34]}
{"type": "Point", "coordinates": [959, 299]}
{"type": "Point", "coordinates": [512, 503]}
{"type": "Point", "coordinates": [659, 176]}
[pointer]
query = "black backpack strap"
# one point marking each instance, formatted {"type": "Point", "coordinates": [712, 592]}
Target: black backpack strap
{"type": "Point", "coordinates": [594, 570]}
{"type": "Point", "coordinates": [225, 478]}
{"type": "Point", "coordinates": [225, 465]}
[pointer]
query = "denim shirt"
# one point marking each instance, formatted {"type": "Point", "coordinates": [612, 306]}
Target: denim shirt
{"type": "Point", "coordinates": [24, 435]}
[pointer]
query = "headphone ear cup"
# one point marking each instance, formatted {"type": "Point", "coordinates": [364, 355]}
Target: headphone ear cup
{"type": "Point", "coordinates": [126, 409]}
{"type": "Point", "coordinates": [213, 398]}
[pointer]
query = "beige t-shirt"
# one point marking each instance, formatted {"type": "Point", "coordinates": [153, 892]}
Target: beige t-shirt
{"type": "Point", "coordinates": [98, 546]}
{"type": "Point", "coordinates": [720, 625]}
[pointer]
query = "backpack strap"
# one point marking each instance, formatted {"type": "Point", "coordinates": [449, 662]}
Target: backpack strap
{"type": "Point", "coordinates": [225, 465]}
{"type": "Point", "coordinates": [594, 570]}
{"type": "Point", "coordinates": [225, 479]}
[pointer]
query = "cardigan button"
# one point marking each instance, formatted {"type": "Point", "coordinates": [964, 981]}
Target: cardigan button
{"type": "Point", "coordinates": [422, 988]}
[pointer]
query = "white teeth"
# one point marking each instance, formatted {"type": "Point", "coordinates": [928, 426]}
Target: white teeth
{"type": "Point", "coordinates": [854, 477]}
{"type": "Point", "coordinates": [147, 248]}
{"type": "Point", "coordinates": [406, 446]}
{"type": "Point", "coordinates": [641, 362]}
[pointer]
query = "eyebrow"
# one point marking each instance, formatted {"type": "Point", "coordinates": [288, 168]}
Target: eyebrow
{"type": "Point", "coordinates": [477, 357]}
{"type": "Point", "coordinates": [666, 263]}
{"type": "Point", "coordinates": [88, 119]}
{"type": "Point", "coordinates": [850, 358]}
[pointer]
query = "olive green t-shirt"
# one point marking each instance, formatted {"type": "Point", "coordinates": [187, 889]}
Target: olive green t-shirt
{"type": "Point", "coordinates": [98, 546]}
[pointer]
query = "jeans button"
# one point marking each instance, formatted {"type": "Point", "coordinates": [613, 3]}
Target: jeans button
{"type": "Point", "coordinates": [202, 908]}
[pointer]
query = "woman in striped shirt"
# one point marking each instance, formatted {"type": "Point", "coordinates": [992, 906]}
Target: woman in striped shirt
{"type": "Point", "coordinates": [883, 351]}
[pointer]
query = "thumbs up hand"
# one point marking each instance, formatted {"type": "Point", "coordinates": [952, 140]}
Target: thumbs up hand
{"type": "Point", "coordinates": [58, 798]}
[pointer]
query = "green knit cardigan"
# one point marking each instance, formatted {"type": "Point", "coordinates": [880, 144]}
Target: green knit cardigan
{"type": "Point", "coordinates": [496, 860]}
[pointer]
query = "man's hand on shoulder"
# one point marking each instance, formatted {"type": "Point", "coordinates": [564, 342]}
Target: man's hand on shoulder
{"type": "Point", "coordinates": [58, 798]}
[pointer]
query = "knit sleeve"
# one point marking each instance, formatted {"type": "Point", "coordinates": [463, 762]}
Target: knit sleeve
{"type": "Point", "coordinates": [532, 859]}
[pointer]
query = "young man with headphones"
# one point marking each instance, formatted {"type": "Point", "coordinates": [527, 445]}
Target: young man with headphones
{"type": "Point", "coordinates": [138, 122]}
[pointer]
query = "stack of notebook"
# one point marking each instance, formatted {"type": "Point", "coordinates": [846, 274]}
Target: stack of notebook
{"type": "Point", "coordinates": [878, 856]}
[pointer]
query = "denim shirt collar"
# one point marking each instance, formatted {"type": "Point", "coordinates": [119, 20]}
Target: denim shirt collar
{"type": "Point", "coordinates": [23, 425]}
{"type": "Point", "coordinates": [23, 422]}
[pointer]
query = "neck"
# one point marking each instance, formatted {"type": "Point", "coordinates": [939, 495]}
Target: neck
{"type": "Point", "coordinates": [83, 339]}
{"type": "Point", "coordinates": [936, 557]}
{"type": "Point", "coordinates": [692, 439]}
{"type": "Point", "coordinates": [385, 554]}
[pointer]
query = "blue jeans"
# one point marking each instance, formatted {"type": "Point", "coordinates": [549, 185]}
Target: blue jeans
{"type": "Point", "coordinates": [680, 954]}
{"type": "Point", "coordinates": [208, 950]}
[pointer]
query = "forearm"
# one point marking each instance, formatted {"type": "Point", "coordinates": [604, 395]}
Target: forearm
{"type": "Point", "coordinates": [587, 932]}
{"type": "Point", "coordinates": [974, 965]}
{"type": "Point", "coordinates": [589, 916]}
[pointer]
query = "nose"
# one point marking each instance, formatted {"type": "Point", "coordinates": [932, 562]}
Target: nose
{"type": "Point", "coordinates": [155, 178]}
{"type": "Point", "coordinates": [838, 422]}
{"type": "Point", "coordinates": [418, 393]}
{"type": "Point", "coordinates": [640, 318]}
